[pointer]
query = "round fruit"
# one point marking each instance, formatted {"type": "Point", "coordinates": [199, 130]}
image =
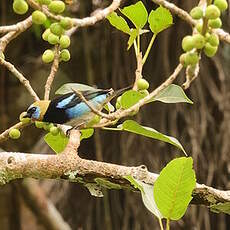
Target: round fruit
{"type": "Point", "coordinates": [20, 6]}
{"type": "Point", "coordinates": [191, 58]}
{"type": "Point", "coordinates": [142, 84]}
{"type": "Point", "coordinates": [118, 105]}
{"type": "Point", "coordinates": [38, 17]}
{"type": "Point", "coordinates": [47, 126]}
{"type": "Point", "coordinates": [56, 29]}
{"type": "Point", "coordinates": [54, 131]}
{"type": "Point", "coordinates": [144, 92]}
{"type": "Point", "coordinates": [213, 39]}
{"type": "Point", "coordinates": [25, 120]}
{"type": "Point", "coordinates": [196, 13]}
{"type": "Point", "coordinates": [57, 7]}
{"type": "Point", "coordinates": [221, 4]}
{"type": "Point", "coordinates": [199, 41]}
{"type": "Point", "coordinates": [39, 124]}
{"type": "Point", "coordinates": [53, 39]}
{"type": "Point", "coordinates": [212, 12]}
{"type": "Point", "coordinates": [64, 41]}
{"type": "Point", "coordinates": [44, 2]}
{"type": "Point", "coordinates": [182, 59]}
{"type": "Point", "coordinates": [48, 56]}
{"type": "Point", "coordinates": [65, 55]}
{"type": "Point", "coordinates": [45, 34]}
{"type": "Point", "coordinates": [215, 23]}
{"type": "Point", "coordinates": [199, 27]}
{"type": "Point", "coordinates": [66, 23]}
{"type": "Point", "coordinates": [187, 43]}
{"type": "Point", "coordinates": [210, 50]}
{"type": "Point", "coordinates": [14, 133]}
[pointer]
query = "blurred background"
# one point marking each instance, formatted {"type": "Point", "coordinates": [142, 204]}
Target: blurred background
{"type": "Point", "coordinates": [99, 57]}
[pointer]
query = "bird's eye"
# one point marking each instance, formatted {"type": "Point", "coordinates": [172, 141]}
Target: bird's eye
{"type": "Point", "coordinates": [32, 110]}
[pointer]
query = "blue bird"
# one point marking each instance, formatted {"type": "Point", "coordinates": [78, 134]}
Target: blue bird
{"type": "Point", "coordinates": [69, 108]}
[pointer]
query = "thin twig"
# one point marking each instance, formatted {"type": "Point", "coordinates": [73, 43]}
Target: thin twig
{"type": "Point", "coordinates": [53, 71]}
{"type": "Point", "coordinates": [20, 77]}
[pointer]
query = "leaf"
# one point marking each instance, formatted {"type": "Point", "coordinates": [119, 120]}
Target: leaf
{"type": "Point", "coordinates": [57, 143]}
{"type": "Point", "coordinates": [130, 98]}
{"type": "Point", "coordinates": [109, 107]}
{"type": "Point", "coordinates": [67, 88]}
{"type": "Point", "coordinates": [160, 19]}
{"type": "Point", "coordinates": [118, 22]}
{"type": "Point", "coordinates": [132, 38]}
{"type": "Point", "coordinates": [134, 127]}
{"type": "Point", "coordinates": [86, 133]}
{"type": "Point", "coordinates": [173, 188]}
{"type": "Point", "coordinates": [137, 14]}
{"type": "Point", "coordinates": [146, 194]}
{"type": "Point", "coordinates": [172, 94]}
{"type": "Point", "coordinates": [221, 207]}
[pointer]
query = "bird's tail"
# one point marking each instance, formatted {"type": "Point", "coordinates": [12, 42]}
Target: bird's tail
{"type": "Point", "coordinates": [120, 91]}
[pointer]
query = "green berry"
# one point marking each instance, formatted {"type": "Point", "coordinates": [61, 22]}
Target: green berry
{"type": "Point", "coordinates": [14, 133]}
{"type": "Point", "coordinates": [210, 50]}
{"type": "Point", "coordinates": [221, 4]}
{"type": "Point", "coordinates": [65, 55]}
{"type": "Point", "coordinates": [118, 105]}
{"type": "Point", "coordinates": [142, 84]}
{"type": "Point", "coordinates": [20, 6]}
{"type": "Point", "coordinates": [213, 39]}
{"type": "Point", "coordinates": [187, 43]}
{"type": "Point", "coordinates": [66, 23]}
{"type": "Point", "coordinates": [182, 59]}
{"type": "Point", "coordinates": [199, 27]}
{"type": "Point", "coordinates": [39, 124]}
{"type": "Point", "coordinates": [191, 58]}
{"type": "Point", "coordinates": [53, 39]}
{"type": "Point", "coordinates": [47, 126]}
{"type": "Point", "coordinates": [44, 2]}
{"type": "Point", "coordinates": [196, 13]}
{"type": "Point", "coordinates": [38, 17]}
{"type": "Point", "coordinates": [215, 23]}
{"type": "Point", "coordinates": [54, 131]}
{"type": "Point", "coordinates": [24, 120]}
{"type": "Point", "coordinates": [144, 92]}
{"type": "Point", "coordinates": [57, 7]}
{"type": "Point", "coordinates": [56, 29]}
{"type": "Point", "coordinates": [64, 41]}
{"type": "Point", "coordinates": [212, 12]}
{"type": "Point", "coordinates": [48, 56]}
{"type": "Point", "coordinates": [199, 41]}
{"type": "Point", "coordinates": [45, 34]}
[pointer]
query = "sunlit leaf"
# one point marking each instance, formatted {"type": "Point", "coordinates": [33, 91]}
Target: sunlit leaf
{"type": "Point", "coordinates": [132, 37]}
{"type": "Point", "coordinates": [130, 98]}
{"type": "Point", "coordinates": [173, 188]}
{"type": "Point", "coordinates": [86, 133]}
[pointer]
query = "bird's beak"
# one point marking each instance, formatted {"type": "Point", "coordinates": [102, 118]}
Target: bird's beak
{"type": "Point", "coordinates": [27, 116]}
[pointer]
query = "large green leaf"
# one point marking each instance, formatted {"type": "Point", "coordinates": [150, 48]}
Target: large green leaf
{"type": "Point", "coordinates": [86, 133]}
{"type": "Point", "coordinates": [130, 98]}
{"type": "Point", "coordinates": [172, 94]}
{"type": "Point", "coordinates": [134, 127]}
{"type": "Point", "coordinates": [173, 188]}
{"type": "Point", "coordinates": [160, 19]}
{"type": "Point", "coordinates": [68, 88]}
{"type": "Point", "coordinates": [146, 194]}
{"type": "Point", "coordinates": [118, 22]}
{"type": "Point", "coordinates": [57, 143]}
{"type": "Point", "coordinates": [132, 37]}
{"type": "Point", "coordinates": [137, 14]}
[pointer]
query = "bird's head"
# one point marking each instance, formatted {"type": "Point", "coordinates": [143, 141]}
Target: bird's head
{"type": "Point", "coordinates": [37, 110]}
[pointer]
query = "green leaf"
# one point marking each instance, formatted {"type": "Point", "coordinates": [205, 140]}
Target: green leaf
{"type": "Point", "coordinates": [221, 207]}
{"type": "Point", "coordinates": [86, 133]}
{"type": "Point", "coordinates": [118, 22]}
{"type": "Point", "coordinates": [67, 88]}
{"type": "Point", "coordinates": [109, 107]}
{"type": "Point", "coordinates": [172, 94]}
{"type": "Point", "coordinates": [146, 194]}
{"type": "Point", "coordinates": [160, 19]}
{"type": "Point", "coordinates": [137, 14]}
{"type": "Point", "coordinates": [132, 38]}
{"type": "Point", "coordinates": [57, 143]}
{"type": "Point", "coordinates": [130, 98]}
{"type": "Point", "coordinates": [173, 188]}
{"type": "Point", "coordinates": [134, 127]}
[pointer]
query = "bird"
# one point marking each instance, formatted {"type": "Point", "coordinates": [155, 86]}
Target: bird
{"type": "Point", "coordinates": [69, 108]}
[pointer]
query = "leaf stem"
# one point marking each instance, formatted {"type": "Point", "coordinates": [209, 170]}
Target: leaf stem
{"type": "Point", "coordinates": [135, 47]}
{"type": "Point", "coordinates": [149, 48]}
{"type": "Point", "coordinates": [160, 223]}
{"type": "Point", "coordinates": [138, 41]}
{"type": "Point", "coordinates": [168, 224]}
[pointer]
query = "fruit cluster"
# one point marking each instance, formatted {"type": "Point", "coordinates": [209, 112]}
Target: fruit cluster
{"type": "Point", "coordinates": [55, 34]}
{"type": "Point", "coordinates": [204, 39]}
